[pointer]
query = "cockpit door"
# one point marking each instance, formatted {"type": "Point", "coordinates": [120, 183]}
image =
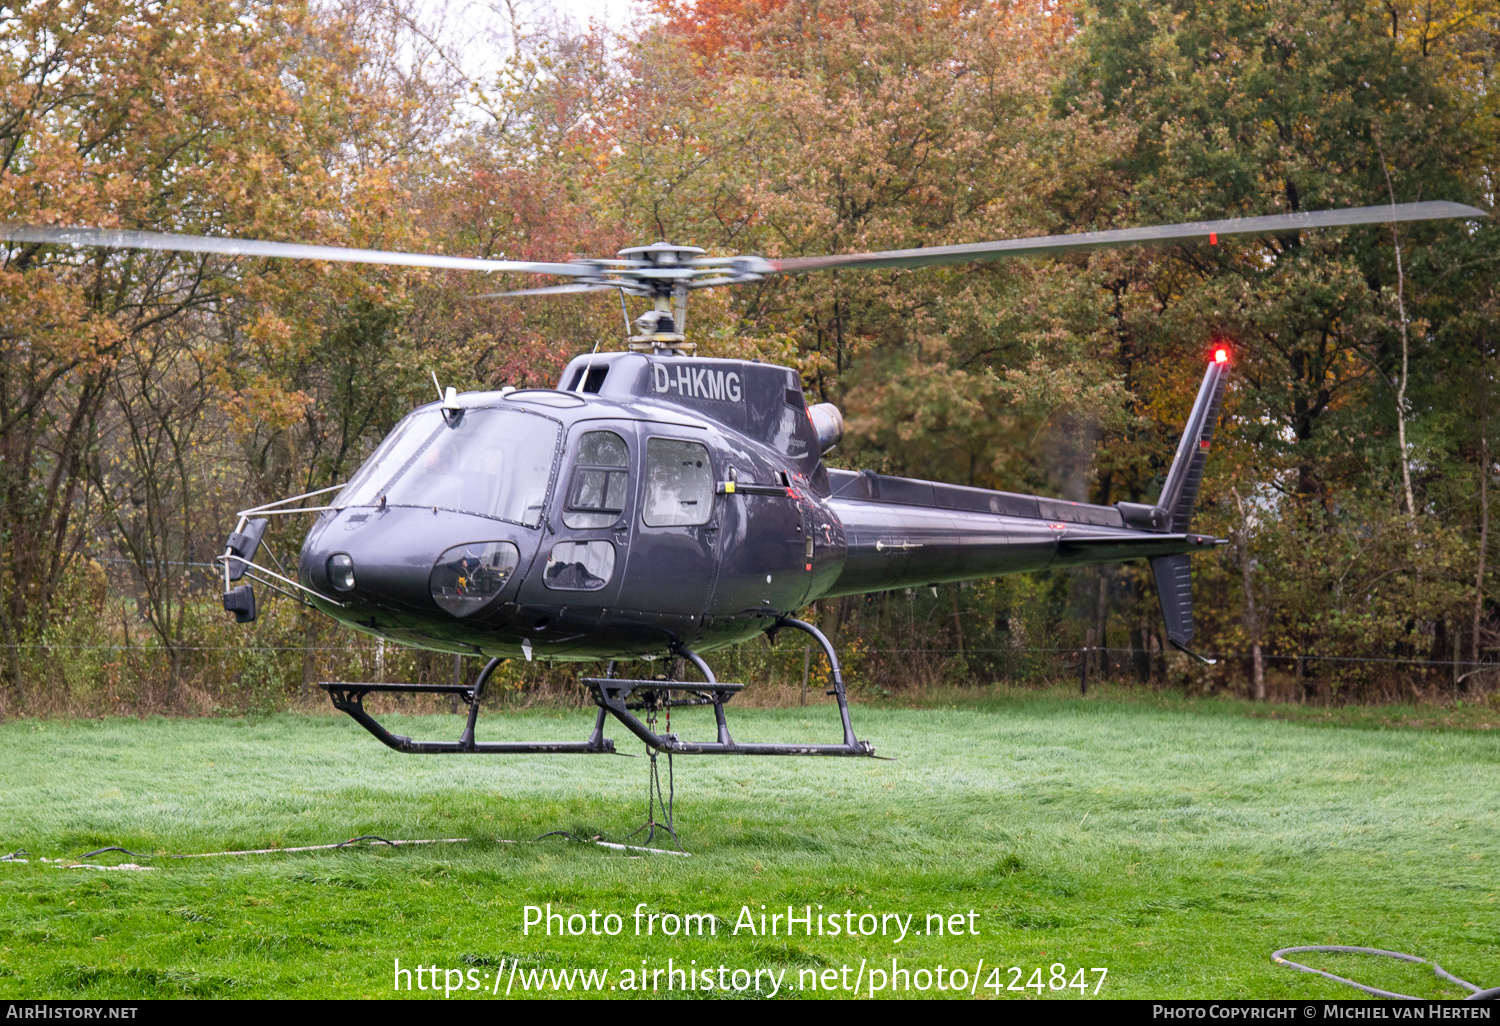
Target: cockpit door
{"type": "Point", "coordinates": [674, 552]}
{"type": "Point", "coordinates": [584, 550]}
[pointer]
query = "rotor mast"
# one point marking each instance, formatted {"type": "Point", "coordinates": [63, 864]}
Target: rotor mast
{"type": "Point", "coordinates": [665, 269]}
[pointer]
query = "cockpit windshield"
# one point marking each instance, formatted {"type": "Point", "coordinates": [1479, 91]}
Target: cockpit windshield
{"type": "Point", "coordinates": [494, 462]}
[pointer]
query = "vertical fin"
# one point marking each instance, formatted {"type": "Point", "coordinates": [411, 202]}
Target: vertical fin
{"type": "Point", "coordinates": [1180, 492]}
{"type": "Point", "coordinates": [1174, 574]}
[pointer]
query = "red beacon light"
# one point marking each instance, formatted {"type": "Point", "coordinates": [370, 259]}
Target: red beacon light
{"type": "Point", "coordinates": [1221, 355]}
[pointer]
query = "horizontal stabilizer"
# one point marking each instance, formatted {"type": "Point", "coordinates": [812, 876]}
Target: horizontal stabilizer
{"type": "Point", "coordinates": [1077, 548]}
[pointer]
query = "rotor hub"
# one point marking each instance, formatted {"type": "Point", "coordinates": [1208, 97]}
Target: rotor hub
{"type": "Point", "coordinates": [662, 254]}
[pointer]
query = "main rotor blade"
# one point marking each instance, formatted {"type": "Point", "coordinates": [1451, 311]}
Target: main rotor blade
{"type": "Point", "coordinates": [118, 239]}
{"type": "Point", "coordinates": [552, 290]}
{"type": "Point", "coordinates": [1050, 244]}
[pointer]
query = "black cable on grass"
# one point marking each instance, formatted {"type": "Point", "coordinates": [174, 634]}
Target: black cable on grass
{"type": "Point", "coordinates": [101, 851]}
{"type": "Point", "coordinates": [569, 835]}
{"type": "Point", "coordinates": [365, 837]}
{"type": "Point", "coordinates": [1477, 993]}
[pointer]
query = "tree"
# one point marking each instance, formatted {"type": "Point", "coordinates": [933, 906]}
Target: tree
{"type": "Point", "coordinates": [200, 116]}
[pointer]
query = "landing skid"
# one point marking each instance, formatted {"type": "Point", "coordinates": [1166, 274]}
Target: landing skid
{"type": "Point", "coordinates": [614, 697]}
{"type": "Point", "coordinates": [350, 698]}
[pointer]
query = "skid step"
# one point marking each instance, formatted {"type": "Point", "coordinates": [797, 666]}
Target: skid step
{"type": "Point", "coordinates": [626, 686]}
{"type": "Point", "coordinates": [650, 694]}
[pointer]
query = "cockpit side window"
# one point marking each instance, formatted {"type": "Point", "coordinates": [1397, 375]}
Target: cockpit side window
{"type": "Point", "coordinates": [679, 484]}
{"type": "Point", "coordinates": [601, 481]}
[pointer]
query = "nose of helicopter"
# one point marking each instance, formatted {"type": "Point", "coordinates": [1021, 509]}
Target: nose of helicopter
{"type": "Point", "coordinates": [425, 561]}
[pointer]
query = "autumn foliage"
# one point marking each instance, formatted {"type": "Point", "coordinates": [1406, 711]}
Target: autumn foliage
{"type": "Point", "coordinates": [145, 397]}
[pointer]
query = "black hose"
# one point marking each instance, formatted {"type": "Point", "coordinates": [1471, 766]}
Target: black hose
{"type": "Point", "coordinates": [101, 851]}
{"type": "Point", "coordinates": [364, 837]}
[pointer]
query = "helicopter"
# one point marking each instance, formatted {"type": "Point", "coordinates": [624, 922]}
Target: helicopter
{"type": "Point", "coordinates": [660, 504]}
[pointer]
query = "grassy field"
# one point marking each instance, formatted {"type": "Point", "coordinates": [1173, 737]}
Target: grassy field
{"type": "Point", "coordinates": [1174, 843]}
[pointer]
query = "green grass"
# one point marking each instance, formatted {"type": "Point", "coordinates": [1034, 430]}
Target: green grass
{"type": "Point", "coordinates": [1175, 843]}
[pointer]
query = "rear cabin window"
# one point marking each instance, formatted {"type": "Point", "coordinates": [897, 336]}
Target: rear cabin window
{"type": "Point", "coordinates": [601, 481]}
{"type": "Point", "coordinates": [679, 484]}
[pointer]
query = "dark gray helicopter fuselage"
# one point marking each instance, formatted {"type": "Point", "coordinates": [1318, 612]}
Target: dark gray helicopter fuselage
{"type": "Point", "coordinates": [653, 500]}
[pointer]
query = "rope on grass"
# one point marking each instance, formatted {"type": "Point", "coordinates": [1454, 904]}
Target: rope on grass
{"type": "Point", "coordinates": [601, 842]}
{"type": "Point", "coordinates": [78, 863]}
{"type": "Point", "coordinates": [1476, 993]}
{"type": "Point", "coordinates": [372, 838]}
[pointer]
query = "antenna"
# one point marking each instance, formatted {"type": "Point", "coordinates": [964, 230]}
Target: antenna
{"type": "Point", "coordinates": [449, 399]}
{"type": "Point", "coordinates": [583, 379]}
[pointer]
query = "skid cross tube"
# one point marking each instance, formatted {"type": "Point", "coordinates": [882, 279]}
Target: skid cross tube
{"type": "Point", "coordinates": [833, 668]}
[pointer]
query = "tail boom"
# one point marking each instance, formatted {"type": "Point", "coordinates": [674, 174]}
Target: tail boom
{"type": "Point", "coordinates": [902, 533]}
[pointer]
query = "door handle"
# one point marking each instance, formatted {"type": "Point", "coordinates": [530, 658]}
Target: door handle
{"type": "Point", "coordinates": [742, 488]}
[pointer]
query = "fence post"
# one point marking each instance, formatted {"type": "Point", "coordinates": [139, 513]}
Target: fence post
{"type": "Point", "coordinates": [309, 652]}
{"type": "Point", "coordinates": [1083, 662]}
{"type": "Point", "coordinates": [1458, 644]}
{"type": "Point", "coordinates": [806, 665]}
